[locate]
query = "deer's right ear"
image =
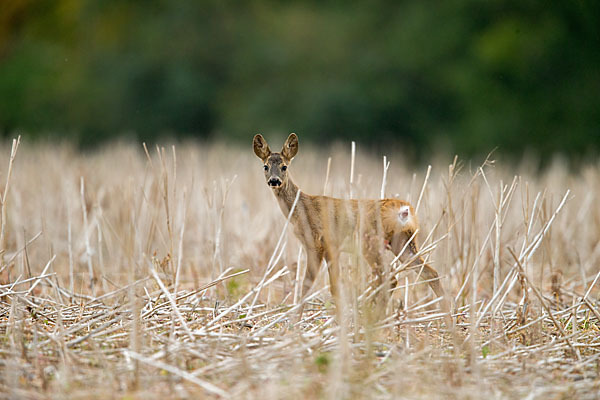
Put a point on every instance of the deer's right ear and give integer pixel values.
(261, 148)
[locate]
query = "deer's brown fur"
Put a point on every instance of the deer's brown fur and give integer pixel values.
(325, 225)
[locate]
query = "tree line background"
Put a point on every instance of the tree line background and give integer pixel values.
(462, 75)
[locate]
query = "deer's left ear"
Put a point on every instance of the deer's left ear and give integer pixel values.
(290, 147)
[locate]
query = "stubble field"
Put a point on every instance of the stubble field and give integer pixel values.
(171, 273)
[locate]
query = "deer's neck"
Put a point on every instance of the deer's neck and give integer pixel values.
(286, 194)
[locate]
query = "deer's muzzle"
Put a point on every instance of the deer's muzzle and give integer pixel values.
(274, 182)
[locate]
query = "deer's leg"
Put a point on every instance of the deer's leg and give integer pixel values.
(428, 273)
(372, 252)
(333, 270)
(313, 264)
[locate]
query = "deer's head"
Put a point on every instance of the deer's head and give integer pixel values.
(275, 164)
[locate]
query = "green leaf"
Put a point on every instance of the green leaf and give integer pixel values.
(485, 350)
(322, 361)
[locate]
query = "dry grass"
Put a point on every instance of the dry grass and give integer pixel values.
(129, 275)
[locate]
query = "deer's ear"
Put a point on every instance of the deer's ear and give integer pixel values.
(261, 148)
(290, 147)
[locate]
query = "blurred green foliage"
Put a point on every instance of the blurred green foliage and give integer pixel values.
(469, 74)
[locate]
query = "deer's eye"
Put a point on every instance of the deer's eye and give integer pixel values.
(284, 168)
(266, 167)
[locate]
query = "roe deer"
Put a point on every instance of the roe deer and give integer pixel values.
(324, 224)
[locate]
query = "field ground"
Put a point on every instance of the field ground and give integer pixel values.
(172, 274)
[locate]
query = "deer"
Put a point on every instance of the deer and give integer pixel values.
(324, 225)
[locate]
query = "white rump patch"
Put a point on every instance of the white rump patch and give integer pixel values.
(404, 215)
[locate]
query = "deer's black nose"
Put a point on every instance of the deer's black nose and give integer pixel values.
(274, 182)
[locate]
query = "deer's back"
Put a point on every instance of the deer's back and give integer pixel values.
(334, 221)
